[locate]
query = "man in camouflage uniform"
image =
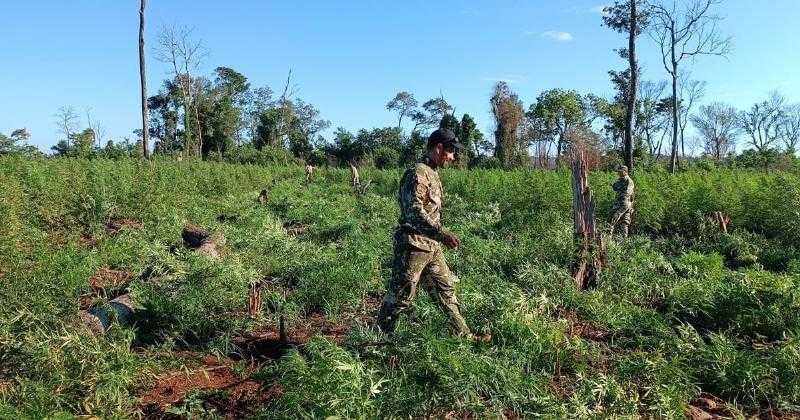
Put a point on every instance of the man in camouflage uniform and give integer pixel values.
(622, 211)
(309, 172)
(355, 180)
(418, 256)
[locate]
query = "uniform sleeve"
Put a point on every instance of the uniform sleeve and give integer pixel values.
(629, 189)
(420, 220)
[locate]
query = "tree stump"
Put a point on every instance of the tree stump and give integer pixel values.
(203, 241)
(263, 198)
(254, 303)
(590, 255)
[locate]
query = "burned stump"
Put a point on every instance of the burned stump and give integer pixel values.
(590, 254)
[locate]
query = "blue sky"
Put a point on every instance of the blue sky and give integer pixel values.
(350, 57)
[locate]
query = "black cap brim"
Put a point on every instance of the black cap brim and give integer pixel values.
(454, 144)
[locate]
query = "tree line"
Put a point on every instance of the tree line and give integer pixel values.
(221, 116)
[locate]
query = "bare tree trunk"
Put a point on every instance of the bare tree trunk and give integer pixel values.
(673, 160)
(683, 145)
(559, 145)
(199, 130)
(590, 248)
(143, 79)
(629, 111)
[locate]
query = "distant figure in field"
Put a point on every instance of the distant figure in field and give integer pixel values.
(622, 211)
(309, 172)
(418, 255)
(356, 182)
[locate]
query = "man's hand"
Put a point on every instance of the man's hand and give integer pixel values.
(451, 240)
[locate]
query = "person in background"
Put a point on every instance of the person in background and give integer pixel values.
(622, 212)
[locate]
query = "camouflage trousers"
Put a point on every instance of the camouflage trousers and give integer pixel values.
(621, 215)
(411, 267)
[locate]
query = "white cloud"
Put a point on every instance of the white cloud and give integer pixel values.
(558, 36)
(599, 9)
(508, 78)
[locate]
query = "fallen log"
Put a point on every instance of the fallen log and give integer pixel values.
(99, 318)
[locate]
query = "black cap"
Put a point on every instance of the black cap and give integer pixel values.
(444, 136)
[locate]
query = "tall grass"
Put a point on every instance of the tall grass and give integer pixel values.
(682, 308)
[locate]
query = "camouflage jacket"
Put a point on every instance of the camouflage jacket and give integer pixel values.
(624, 188)
(421, 207)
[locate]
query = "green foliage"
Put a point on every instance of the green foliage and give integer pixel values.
(327, 381)
(266, 156)
(385, 157)
(680, 309)
(16, 144)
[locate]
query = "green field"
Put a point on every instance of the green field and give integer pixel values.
(684, 317)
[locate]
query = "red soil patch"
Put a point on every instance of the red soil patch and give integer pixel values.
(116, 225)
(577, 327)
(106, 277)
(231, 395)
(173, 386)
(86, 301)
(707, 406)
(243, 398)
(771, 414)
(87, 240)
(266, 343)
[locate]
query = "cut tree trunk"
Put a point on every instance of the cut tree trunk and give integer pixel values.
(590, 255)
(99, 318)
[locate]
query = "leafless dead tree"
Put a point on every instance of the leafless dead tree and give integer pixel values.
(685, 29)
(184, 55)
(67, 121)
(718, 126)
(790, 128)
(690, 92)
(762, 122)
